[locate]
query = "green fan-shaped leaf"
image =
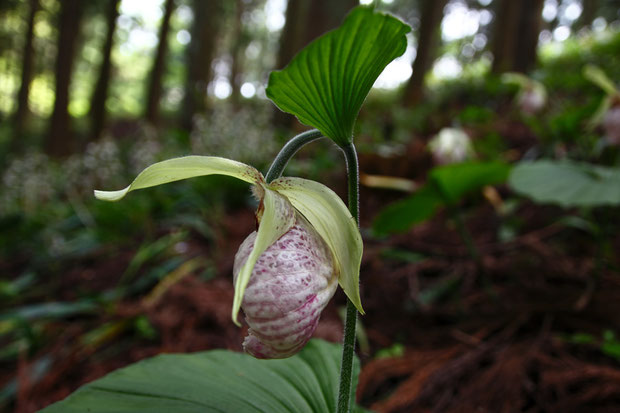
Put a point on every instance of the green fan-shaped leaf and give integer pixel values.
(567, 183)
(216, 381)
(326, 83)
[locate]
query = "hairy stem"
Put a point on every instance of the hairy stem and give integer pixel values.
(350, 155)
(287, 152)
(348, 349)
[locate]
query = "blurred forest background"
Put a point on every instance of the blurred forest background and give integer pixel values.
(92, 92)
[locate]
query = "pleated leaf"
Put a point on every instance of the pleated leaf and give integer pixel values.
(325, 85)
(216, 381)
(332, 220)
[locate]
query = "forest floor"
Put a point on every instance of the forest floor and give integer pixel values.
(525, 327)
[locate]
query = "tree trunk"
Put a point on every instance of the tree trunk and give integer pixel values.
(504, 39)
(428, 42)
(527, 37)
(324, 15)
(157, 70)
(305, 21)
(292, 32)
(238, 44)
(200, 54)
(515, 38)
(587, 14)
(100, 94)
(60, 140)
(27, 70)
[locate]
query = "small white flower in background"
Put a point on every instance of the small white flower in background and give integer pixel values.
(307, 242)
(532, 99)
(451, 145)
(532, 96)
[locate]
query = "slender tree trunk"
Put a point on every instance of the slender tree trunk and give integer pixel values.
(515, 38)
(305, 21)
(100, 94)
(292, 32)
(3, 40)
(587, 14)
(238, 43)
(428, 42)
(504, 35)
(27, 70)
(200, 54)
(324, 15)
(60, 140)
(157, 70)
(530, 24)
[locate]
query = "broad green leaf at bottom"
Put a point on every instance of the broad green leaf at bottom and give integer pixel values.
(217, 381)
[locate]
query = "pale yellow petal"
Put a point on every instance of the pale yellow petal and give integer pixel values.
(278, 216)
(332, 220)
(182, 168)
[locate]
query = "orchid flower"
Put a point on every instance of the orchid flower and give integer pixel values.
(532, 96)
(285, 272)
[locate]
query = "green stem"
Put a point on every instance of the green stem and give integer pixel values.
(287, 152)
(348, 349)
(350, 155)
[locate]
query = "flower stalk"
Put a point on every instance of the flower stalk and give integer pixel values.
(348, 348)
(288, 151)
(350, 156)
